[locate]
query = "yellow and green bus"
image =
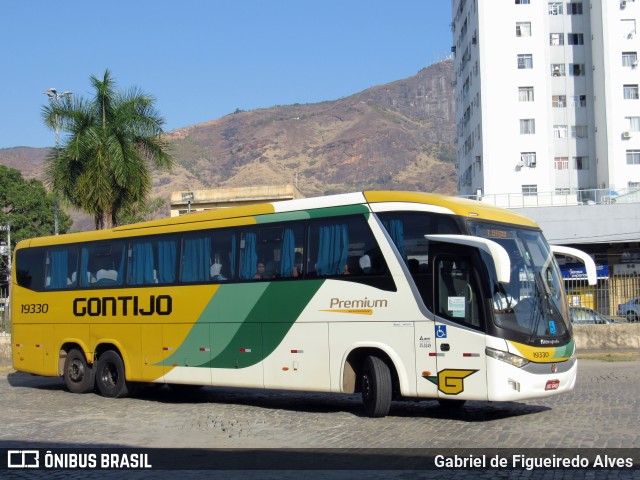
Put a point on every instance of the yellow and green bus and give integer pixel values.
(390, 294)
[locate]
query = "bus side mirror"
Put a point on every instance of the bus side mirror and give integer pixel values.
(497, 252)
(589, 264)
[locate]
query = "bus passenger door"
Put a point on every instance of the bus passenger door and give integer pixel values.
(459, 323)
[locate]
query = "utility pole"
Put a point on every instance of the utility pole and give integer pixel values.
(7, 302)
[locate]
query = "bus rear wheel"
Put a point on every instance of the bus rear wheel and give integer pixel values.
(110, 376)
(375, 384)
(79, 377)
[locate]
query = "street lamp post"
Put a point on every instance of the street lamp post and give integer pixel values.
(53, 95)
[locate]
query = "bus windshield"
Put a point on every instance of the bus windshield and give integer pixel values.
(533, 302)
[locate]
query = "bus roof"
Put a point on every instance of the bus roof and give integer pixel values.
(243, 215)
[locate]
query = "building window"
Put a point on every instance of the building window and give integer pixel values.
(633, 186)
(581, 163)
(525, 61)
(574, 8)
(578, 100)
(579, 131)
(631, 92)
(525, 94)
(529, 190)
(523, 2)
(557, 70)
(556, 39)
(576, 69)
(559, 101)
(560, 131)
(523, 29)
(575, 39)
(563, 191)
(527, 126)
(555, 8)
(633, 124)
(630, 59)
(528, 159)
(561, 163)
(633, 157)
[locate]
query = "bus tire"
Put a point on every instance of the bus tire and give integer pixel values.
(79, 377)
(375, 384)
(110, 376)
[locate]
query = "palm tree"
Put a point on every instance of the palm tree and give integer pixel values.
(104, 164)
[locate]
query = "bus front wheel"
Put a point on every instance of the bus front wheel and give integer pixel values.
(79, 377)
(375, 384)
(110, 376)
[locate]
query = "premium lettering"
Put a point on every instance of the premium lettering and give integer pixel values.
(364, 303)
(124, 306)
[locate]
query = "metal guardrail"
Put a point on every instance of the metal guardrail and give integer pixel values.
(555, 199)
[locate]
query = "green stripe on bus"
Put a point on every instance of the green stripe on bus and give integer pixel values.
(282, 217)
(246, 322)
(565, 351)
(314, 213)
(338, 211)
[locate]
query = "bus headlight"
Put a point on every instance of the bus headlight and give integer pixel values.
(506, 357)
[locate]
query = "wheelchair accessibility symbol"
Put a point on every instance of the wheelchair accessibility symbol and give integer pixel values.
(441, 331)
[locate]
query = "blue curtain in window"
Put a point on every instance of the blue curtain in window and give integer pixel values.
(248, 257)
(166, 261)
(333, 250)
(396, 232)
(288, 253)
(233, 256)
(196, 259)
(84, 268)
(120, 268)
(141, 264)
(59, 268)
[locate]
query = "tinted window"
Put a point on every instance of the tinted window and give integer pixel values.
(269, 252)
(152, 260)
(343, 246)
(208, 256)
(30, 268)
(61, 267)
(101, 264)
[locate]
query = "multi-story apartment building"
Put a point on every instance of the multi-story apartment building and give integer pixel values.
(547, 96)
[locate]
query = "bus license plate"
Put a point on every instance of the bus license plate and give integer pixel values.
(552, 385)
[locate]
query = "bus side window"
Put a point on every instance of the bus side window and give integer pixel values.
(196, 257)
(61, 263)
(272, 251)
(223, 266)
(152, 261)
(102, 264)
(344, 246)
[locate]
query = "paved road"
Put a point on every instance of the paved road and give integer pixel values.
(603, 412)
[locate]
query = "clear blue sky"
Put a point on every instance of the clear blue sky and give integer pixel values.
(203, 59)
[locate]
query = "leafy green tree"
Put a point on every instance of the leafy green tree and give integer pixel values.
(112, 141)
(27, 206)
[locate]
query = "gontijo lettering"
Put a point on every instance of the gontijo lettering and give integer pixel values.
(125, 305)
